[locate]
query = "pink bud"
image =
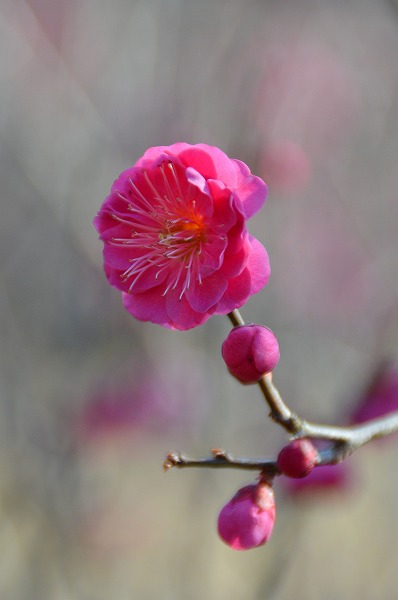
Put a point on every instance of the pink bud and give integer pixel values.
(298, 458)
(250, 351)
(247, 520)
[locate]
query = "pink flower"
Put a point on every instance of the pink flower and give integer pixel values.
(175, 241)
(250, 351)
(247, 520)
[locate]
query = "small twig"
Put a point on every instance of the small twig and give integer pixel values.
(280, 412)
(224, 460)
(220, 459)
(346, 440)
(354, 435)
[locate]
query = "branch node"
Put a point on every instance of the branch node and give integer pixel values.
(293, 424)
(173, 459)
(219, 454)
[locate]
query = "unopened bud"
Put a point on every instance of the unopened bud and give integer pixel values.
(298, 458)
(250, 351)
(247, 520)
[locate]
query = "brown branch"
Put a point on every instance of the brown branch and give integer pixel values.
(335, 453)
(220, 459)
(224, 460)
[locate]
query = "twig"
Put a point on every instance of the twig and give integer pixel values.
(224, 460)
(220, 459)
(345, 441)
(355, 435)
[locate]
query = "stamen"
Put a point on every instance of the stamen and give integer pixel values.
(174, 282)
(130, 206)
(170, 192)
(137, 277)
(172, 169)
(119, 219)
(167, 231)
(158, 197)
(140, 195)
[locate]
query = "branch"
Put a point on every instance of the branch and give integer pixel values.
(355, 435)
(344, 440)
(220, 459)
(336, 453)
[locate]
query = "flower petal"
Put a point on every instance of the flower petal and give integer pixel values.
(258, 265)
(181, 315)
(251, 190)
(236, 294)
(202, 297)
(147, 306)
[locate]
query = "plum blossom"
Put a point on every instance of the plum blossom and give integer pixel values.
(175, 241)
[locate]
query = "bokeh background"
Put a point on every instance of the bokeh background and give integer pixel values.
(306, 93)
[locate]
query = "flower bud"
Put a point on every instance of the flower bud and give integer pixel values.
(250, 351)
(298, 458)
(247, 520)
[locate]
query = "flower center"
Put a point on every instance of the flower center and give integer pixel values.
(183, 230)
(183, 239)
(167, 231)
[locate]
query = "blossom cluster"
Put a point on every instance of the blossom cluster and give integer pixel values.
(176, 245)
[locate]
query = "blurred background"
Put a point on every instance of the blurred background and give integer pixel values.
(306, 93)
